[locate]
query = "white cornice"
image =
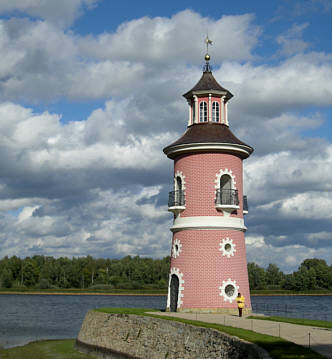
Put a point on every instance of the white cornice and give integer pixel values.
(208, 222)
(208, 146)
(207, 92)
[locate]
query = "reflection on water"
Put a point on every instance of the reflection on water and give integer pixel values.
(24, 318)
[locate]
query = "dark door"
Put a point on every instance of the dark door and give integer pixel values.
(174, 292)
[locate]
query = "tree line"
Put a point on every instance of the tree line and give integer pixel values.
(312, 274)
(46, 272)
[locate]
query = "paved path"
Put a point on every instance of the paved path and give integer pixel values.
(320, 339)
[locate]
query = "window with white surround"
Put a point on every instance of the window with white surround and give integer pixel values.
(226, 192)
(227, 247)
(176, 199)
(203, 112)
(215, 111)
(176, 248)
(228, 196)
(225, 182)
(178, 183)
(229, 290)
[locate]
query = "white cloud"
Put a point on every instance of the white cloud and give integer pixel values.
(34, 143)
(268, 91)
(163, 40)
(291, 42)
(26, 213)
(42, 61)
(60, 12)
(288, 172)
(99, 185)
(112, 223)
(308, 205)
(287, 257)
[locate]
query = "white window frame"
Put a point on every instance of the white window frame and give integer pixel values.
(203, 111)
(215, 111)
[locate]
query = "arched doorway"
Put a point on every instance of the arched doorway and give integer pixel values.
(174, 292)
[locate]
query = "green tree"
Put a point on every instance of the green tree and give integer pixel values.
(274, 276)
(321, 269)
(303, 279)
(6, 278)
(257, 276)
(30, 272)
(289, 282)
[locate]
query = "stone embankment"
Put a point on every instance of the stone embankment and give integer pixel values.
(120, 336)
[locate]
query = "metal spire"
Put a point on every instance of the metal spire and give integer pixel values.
(208, 42)
(207, 67)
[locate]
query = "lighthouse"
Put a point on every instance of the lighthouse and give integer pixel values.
(208, 257)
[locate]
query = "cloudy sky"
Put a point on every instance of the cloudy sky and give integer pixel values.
(90, 93)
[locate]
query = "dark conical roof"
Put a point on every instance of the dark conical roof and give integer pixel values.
(209, 133)
(209, 84)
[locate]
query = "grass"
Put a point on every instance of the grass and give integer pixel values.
(277, 348)
(137, 311)
(48, 349)
(310, 322)
(64, 349)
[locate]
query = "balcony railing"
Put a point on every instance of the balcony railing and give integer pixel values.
(227, 199)
(176, 200)
(245, 205)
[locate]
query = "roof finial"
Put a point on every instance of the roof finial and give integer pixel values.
(208, 42)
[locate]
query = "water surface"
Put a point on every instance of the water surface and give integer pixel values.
(24, 318)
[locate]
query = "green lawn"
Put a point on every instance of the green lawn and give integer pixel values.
(64, 349)
(277, 348)
(48, 349)
(313, 323)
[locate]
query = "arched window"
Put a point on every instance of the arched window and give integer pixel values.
(228, 196)
(178, 183)
(225, 182)
(215, 111)
(203, 112)
(179, 193)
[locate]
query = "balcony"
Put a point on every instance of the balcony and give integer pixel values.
(245, 205)
(176, 201)
(227, 200)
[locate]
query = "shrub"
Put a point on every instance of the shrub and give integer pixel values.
(44, 284)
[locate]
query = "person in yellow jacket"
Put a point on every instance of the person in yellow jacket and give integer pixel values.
(240, 303)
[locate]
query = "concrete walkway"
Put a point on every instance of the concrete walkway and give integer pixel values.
(319, 339)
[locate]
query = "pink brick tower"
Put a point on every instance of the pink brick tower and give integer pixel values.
(208, 257)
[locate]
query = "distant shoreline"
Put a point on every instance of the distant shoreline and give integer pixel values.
(86, 293)
(152, 294)
(289, 294)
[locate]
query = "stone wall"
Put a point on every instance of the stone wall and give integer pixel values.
(133, 336)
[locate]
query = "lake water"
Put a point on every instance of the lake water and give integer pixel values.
(25, 318)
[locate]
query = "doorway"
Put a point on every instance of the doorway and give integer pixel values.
(174, 293)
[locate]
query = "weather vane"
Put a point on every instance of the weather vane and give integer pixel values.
(208, 42)
(207, 66)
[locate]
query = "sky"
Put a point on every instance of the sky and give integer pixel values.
(91, 92)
